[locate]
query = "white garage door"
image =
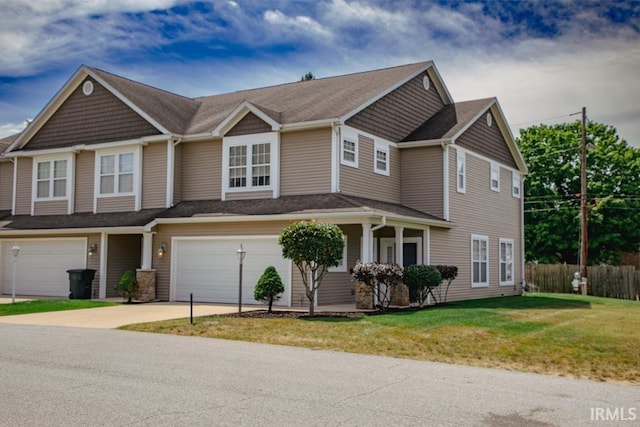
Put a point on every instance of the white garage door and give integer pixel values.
(208, 268)
(41, 266)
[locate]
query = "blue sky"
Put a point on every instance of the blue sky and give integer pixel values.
(543, 60)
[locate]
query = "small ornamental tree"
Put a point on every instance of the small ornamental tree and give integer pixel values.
(422, 279)
(313, 247)
(448, 273)
(128, 285)
(380, 278)
(269, 287)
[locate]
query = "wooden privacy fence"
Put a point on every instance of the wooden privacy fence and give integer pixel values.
(604, 280)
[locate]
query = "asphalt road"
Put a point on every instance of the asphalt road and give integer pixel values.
(75, 376)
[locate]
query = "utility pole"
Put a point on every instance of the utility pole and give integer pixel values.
(584, 236)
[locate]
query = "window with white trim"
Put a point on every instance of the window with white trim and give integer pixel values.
(381, 160)
(461, 172)
(349, 152)
(116, 173)
(506, 261)
(479, 261)
(515, 187)
(342, 266)
(495, 176)
(51, 179)
(248, 162)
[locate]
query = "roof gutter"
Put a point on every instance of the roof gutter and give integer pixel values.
(425, 143)
(51, 231)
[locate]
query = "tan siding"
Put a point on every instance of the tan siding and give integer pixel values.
(166, 232)
(93, 262)
(51, 207)
(23, 187)
(249, 125)
(6, 185)
(154, 176)
(244, 195)
(201, 170)
(124, 253)
(483, 212)
(100, 117)
(364, 182)
(305, 162)
(487, 141)
(400, 112)
(85, 166)
(422, 179)
(177, 174)
(337, 287)
(116, 204)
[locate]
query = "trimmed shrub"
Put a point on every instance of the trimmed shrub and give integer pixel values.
(128, 285)
(380, 278)
(269, 287)
(421, 279)
(448, 273)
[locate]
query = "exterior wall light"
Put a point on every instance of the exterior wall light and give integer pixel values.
(93, 249)
(162, 250)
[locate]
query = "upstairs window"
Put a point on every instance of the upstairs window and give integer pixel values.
(349, 154)
(51, 179)
(461, 172)
(238, 166)
(495, 177)
(381, 160)
(516, 184)
(247, 162)
(116, 174)
(261, 165)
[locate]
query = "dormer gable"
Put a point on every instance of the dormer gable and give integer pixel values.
(247, 118)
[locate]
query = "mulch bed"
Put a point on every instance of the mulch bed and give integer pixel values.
(285, 314)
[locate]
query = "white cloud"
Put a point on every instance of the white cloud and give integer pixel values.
(11, 128)
(294, 26)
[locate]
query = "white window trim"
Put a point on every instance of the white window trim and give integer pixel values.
(51, 159)
(460, 158)
(351, 136)
(342, 267)
(495, 167)
(486, 240)
(249, 141)
(137, 172)
(513, 252)
(516, 184)
(384, 149)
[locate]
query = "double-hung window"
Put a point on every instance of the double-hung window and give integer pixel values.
(51, 179)
(461, 179)
(479, 261)
(495, 176)
(381, 160)
(515, 178)
(349, 152)
(506, 262)
(116, 173)
(248, 162)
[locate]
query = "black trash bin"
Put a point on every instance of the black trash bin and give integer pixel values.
(80, 281)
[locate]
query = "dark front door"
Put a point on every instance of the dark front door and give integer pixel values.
(410, 257)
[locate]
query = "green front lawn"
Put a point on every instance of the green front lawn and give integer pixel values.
(40, 306)
(584, 337)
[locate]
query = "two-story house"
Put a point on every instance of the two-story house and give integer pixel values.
(115, 175)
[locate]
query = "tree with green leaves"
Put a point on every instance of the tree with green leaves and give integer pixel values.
(308, 76)
(313, 247)
(269, 287)
(422, 279)
(552, 193)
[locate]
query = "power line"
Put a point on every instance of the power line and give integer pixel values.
(541, 120)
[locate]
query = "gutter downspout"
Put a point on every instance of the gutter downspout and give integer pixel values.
(522, 253)
(171, 149)
(336, 134)
(445, 180)
(15, 180)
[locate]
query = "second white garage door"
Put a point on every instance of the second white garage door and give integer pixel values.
(208, 268)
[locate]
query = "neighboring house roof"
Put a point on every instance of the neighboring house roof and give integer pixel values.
(7, 141)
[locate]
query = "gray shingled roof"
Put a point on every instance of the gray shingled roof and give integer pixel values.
(317, 99)
(449, 121)
(80, 220)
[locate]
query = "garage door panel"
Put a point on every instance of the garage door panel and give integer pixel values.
(208, 268)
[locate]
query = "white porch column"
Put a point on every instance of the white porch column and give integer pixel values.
(147, 250)
(399, 241)
(426, 246)
(366, 251)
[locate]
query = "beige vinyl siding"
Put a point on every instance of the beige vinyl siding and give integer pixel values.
(154, 176)
(400, 112)
(116, 204)
(488, 141)
(337, 287)
(84, 175)
(23, 185)
(244, 195)
(124, 253)
(166, 231)
(201, 170)
(249, 125)
(364, 182)
(6, 185)
(305, 162)
(99, 117)
(93, 262)
(482, 212)
(421, 179)
(51, 207)
(177, 174)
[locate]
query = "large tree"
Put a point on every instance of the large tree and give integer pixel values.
(552, 193)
